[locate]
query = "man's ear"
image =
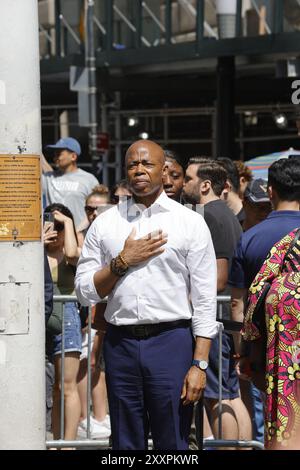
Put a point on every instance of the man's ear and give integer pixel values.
(74, 157)
(205, 186)
(270, 192)
(226, 190)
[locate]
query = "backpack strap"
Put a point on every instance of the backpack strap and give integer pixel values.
(291, 247)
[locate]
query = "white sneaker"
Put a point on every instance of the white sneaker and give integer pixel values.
(105, 422)
(98, 430)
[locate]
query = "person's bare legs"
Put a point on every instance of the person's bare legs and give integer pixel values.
(246, 395)
(243, 419)
(99, 395)
(82, 388)
(229, 420)
(207, 431)
(98, 384)
(71, 396)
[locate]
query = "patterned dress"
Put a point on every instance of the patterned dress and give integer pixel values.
(282, 314)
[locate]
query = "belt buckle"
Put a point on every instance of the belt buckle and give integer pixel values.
(140, 331)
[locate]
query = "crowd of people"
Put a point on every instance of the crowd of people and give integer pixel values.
(160, 245)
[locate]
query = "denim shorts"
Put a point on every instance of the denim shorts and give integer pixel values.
(230, 381)
(73, 335)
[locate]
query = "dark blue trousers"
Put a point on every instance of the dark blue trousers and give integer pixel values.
(144, 380)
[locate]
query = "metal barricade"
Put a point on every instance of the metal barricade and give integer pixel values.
(88, 442)
(229, 326)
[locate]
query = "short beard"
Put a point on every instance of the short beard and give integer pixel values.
(191, 198)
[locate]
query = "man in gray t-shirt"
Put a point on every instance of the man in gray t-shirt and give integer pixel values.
(68, 185)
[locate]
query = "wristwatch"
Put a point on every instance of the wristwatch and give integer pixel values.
(202, 364)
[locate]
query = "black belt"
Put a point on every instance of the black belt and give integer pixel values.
(152, 329)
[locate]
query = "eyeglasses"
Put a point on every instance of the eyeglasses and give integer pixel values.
(90, 209)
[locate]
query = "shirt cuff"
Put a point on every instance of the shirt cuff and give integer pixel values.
(207, 329)
(86, 290)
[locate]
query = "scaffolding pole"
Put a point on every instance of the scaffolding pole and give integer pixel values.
(90, 63)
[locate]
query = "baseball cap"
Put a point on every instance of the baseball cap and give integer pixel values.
(257, 191)
(67, 143)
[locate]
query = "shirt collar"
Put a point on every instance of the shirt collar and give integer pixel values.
(162, 201)
(282, 213)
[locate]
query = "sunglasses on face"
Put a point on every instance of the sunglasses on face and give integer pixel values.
(90, 209)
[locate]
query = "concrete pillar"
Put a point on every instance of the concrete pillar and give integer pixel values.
(22, 323)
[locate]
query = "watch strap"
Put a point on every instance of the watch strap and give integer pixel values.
(201, 364)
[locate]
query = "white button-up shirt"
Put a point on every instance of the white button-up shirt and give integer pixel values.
(178, 284)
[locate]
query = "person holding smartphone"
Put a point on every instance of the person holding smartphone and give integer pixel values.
(62, 250)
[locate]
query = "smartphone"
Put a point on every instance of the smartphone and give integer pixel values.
(48, 220)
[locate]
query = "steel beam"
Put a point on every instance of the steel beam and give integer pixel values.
(271, 44)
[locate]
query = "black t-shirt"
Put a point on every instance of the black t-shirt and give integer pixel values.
(225, 232)
(241, 216)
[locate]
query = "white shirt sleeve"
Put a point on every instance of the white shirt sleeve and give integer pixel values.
(201, 262)
(91, 260)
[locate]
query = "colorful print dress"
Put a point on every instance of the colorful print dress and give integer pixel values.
(282, 314)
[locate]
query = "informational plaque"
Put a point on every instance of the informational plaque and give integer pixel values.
(20, 198)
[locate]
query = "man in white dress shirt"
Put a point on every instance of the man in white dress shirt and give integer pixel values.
(155, 260)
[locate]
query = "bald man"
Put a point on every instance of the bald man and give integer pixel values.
(148, 255)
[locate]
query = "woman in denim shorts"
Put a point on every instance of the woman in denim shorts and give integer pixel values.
(63, 253)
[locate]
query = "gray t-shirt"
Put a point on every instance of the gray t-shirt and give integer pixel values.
(70, 189)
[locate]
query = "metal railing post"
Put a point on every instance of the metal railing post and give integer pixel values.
(220, 406)
(238, 18)
(138, 23)
(90, 64)
(168, 20)
(278, 16)
(62, 378)
(199, 23)
(118, 136)
(109, 13)
(89, 374)
(57, 28)
(65, 33)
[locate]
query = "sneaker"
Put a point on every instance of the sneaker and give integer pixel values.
(98, 430)
(105, 422)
